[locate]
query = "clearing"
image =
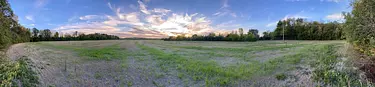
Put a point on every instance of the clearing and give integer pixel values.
(145, 63)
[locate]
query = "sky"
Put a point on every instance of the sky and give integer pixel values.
(163, 18)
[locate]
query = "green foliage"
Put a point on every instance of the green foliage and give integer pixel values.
(300, 29)
(46, 35)
(251, 36)
(359, 26)
(326, 72)
(10, 31)
(12, 74)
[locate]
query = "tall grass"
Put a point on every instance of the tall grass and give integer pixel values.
(326, 69)
(17, 73)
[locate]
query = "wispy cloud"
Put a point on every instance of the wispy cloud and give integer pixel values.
(40, 3)
(29, 17)
(90, 17)
(155, 23)
(224, 10)
(272, 24)
(335, 17)
(143, 7)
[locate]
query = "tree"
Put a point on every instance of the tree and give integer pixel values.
(11, 30)
(35, 32)
(45, 34)
(360, 26)
(56, 36)
(254, 32)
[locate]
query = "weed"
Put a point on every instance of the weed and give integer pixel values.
(180, 75)
(130, 83)
(97, 75)
(281, 76)
(325, 71)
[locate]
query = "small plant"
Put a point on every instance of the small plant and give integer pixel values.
(130, 83)
(180, 75)
(98, 75)
(281, 76)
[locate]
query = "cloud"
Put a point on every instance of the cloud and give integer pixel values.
(335, 17)
(155, 23)
(32, 25)
(225, 4)
(295, 16)
(90, 17)
(29, 17)
(72, 19)
(143, 8)
(272, 24)
(224, 10)
(161, 10)
(40, 3)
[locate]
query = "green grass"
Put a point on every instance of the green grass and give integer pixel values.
(201, 69)
(209, 70)
(12, 74)
(104, 53)
(248, 49)
(204, 63)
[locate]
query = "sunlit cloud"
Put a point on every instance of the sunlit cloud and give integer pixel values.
(90, 17)
(155, 23)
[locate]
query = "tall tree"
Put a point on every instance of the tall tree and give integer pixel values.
(35, 32)
(56, 35)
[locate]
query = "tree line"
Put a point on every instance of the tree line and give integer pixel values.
(11, 31)
(300, 29)
(289, 29)
(252, 35)
(47, 35)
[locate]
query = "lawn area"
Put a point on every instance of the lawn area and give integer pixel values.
(190, 63)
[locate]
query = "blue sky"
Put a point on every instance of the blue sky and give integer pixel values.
(162, 18)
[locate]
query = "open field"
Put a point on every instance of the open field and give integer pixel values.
(145, 63)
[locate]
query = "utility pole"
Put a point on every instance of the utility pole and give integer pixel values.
(284, 32)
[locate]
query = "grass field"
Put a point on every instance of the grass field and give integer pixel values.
(188, 63)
